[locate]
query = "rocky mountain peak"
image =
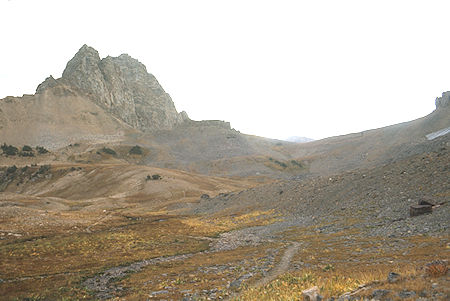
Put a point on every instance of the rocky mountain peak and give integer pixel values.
(85, 61)
(443, 101)
(122, 86)
(49, 82)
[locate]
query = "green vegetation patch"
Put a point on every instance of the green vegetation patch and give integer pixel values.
(9, 150)
(136, 150)
(109, 151)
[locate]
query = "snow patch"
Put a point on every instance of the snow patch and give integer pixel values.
(439, 133)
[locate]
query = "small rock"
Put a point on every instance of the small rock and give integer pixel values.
(415, 210)
(379, 293)
(422, 202)
(236, 283)
(312, 294)
(246, 276)
(406, 294)
(393, 277)
(161, 292)
(434, 285)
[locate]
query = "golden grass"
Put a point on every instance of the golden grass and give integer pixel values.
(197, 273)
(78, 254)
(53, 266)
(218, 224)
(341, 262)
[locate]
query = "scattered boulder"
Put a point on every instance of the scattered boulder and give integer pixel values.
(406, 294)
(416, 210)
(425, 203)
(393, 277)
(379, 293)
(237, 283)
(312, 294)
(161, 292)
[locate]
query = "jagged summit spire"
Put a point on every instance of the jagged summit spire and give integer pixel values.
(122, 86)
(443, 101)
(85, 61)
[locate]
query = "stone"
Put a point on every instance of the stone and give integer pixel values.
(311, 294)
(379, 293)
(161, 292)
(393, 277)
(425, 203)
(416, 210)
(406, 294)
(246, 276)
(236, 283)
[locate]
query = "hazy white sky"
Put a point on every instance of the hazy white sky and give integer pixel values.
(272, 68)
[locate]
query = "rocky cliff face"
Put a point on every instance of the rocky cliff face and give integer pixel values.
(443, 101)
(122, 86)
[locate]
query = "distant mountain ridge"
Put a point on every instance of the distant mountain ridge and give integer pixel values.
(115, 102)
(298, 139)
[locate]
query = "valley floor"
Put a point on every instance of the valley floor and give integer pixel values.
(349, 234)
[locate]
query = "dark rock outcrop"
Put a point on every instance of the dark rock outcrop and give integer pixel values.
(48, 83)
(443, 101)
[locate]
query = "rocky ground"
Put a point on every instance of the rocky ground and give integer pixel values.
(245, 242)
(368, 211)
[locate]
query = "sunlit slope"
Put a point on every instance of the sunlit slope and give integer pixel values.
(56, 118)
(371, 148)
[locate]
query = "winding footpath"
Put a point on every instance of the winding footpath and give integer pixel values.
(103, 285)
(282, 267)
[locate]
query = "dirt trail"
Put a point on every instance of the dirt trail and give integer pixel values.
(282, 267)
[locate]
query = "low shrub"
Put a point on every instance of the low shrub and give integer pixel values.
(436, 268)
(41, 150)
(26, 154)
(11, 169)
(297, 163)
(282, 164)
(109, 151)
(156, 177)
(43, 169)
(153, 177)
(27, 148)
(9, 150)
(136, 150)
